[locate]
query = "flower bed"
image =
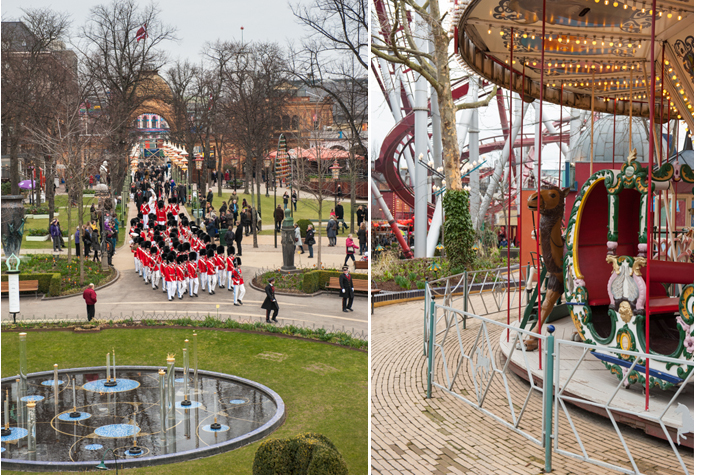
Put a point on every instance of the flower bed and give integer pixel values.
(392, 274)
(69, 272)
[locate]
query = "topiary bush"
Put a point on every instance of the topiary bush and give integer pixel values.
(303, 224)
(307, 454)
(458, 229)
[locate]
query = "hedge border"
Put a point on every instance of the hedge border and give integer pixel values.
(49, 283)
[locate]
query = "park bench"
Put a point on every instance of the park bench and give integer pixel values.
(360, 265)
(25, 286)
(360, 285)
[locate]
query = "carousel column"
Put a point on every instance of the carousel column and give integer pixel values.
(421, 143)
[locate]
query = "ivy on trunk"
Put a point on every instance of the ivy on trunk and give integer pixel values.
(458, 230)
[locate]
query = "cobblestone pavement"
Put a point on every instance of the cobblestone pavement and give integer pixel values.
(411, 434)
(129, 296)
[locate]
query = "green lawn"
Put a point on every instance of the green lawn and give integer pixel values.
(61, 203)
(334, 404)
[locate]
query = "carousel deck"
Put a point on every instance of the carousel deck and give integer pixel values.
(593, 382)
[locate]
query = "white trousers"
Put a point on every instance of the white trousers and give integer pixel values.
(137, 263)
(239, 291)
(229, 279)
(203, 280)
(212, 282)
(193, 285)
(182, 287)
(172, 287)
(155, 278)
(146, 274)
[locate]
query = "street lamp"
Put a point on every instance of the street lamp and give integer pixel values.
(267, 166)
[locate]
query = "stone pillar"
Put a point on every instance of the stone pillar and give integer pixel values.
(288, 246)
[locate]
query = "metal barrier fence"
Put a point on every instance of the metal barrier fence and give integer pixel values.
(175, 318)
(613, 406)
(474, 288)
(466, 365)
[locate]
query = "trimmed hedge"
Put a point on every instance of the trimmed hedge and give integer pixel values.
(318, 279)
(308, 454)
(303, 224)
(49, 284)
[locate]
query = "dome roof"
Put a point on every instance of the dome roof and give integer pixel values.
(604, 140)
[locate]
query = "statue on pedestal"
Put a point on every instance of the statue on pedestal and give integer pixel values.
(288, 243)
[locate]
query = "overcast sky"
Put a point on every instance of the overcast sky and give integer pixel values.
(197, 22)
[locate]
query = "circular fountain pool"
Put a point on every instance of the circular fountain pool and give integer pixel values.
(123, 422)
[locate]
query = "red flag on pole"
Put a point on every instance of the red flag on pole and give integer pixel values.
(142, 33)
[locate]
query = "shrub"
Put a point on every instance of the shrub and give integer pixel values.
(6, 188)
(89, 192)
(309, 454)
(421, 285)
(402, 282)
(37, 232)
(303, 224)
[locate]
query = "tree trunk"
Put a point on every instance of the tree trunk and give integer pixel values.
(353, 194)
(449, 139)
(254, 184)
(219, 169)
(320, 230)
(14, 161)
(49, 187)
(258, 197)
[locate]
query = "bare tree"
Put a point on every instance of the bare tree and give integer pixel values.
(320, 167)
(335, 61)
(77, 138)
(121, 68)
(254, 96)
(31, 63)
(182, 78)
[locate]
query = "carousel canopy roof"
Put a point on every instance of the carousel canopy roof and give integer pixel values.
(604, 140)
(602, 42)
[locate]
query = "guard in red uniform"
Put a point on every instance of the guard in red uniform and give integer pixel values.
(238, 282)
(193, 283)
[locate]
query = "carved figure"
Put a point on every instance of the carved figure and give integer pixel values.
(552, 244)
(103, 170)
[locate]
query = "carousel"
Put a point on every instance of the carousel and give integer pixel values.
(613, 251)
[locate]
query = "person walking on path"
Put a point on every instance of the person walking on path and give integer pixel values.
(362, 238)
(339, 215)
(95, 245)
(310, 240)
(278, 217)
(87, 240)
(349, 249)
(332, 232)
(90, 299)
(361, 215)
(238, 238)
(297, 238)
(347, 291)
(77, 241)
(285, 199)
(238, 283)
(270, 302)
(56, 236)
(294, 200)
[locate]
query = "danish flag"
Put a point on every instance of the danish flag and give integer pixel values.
(142, 33)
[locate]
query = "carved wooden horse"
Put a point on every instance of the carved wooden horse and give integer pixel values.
(552, 210)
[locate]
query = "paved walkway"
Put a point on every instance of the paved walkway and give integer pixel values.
(444, 435)
(129, 295)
